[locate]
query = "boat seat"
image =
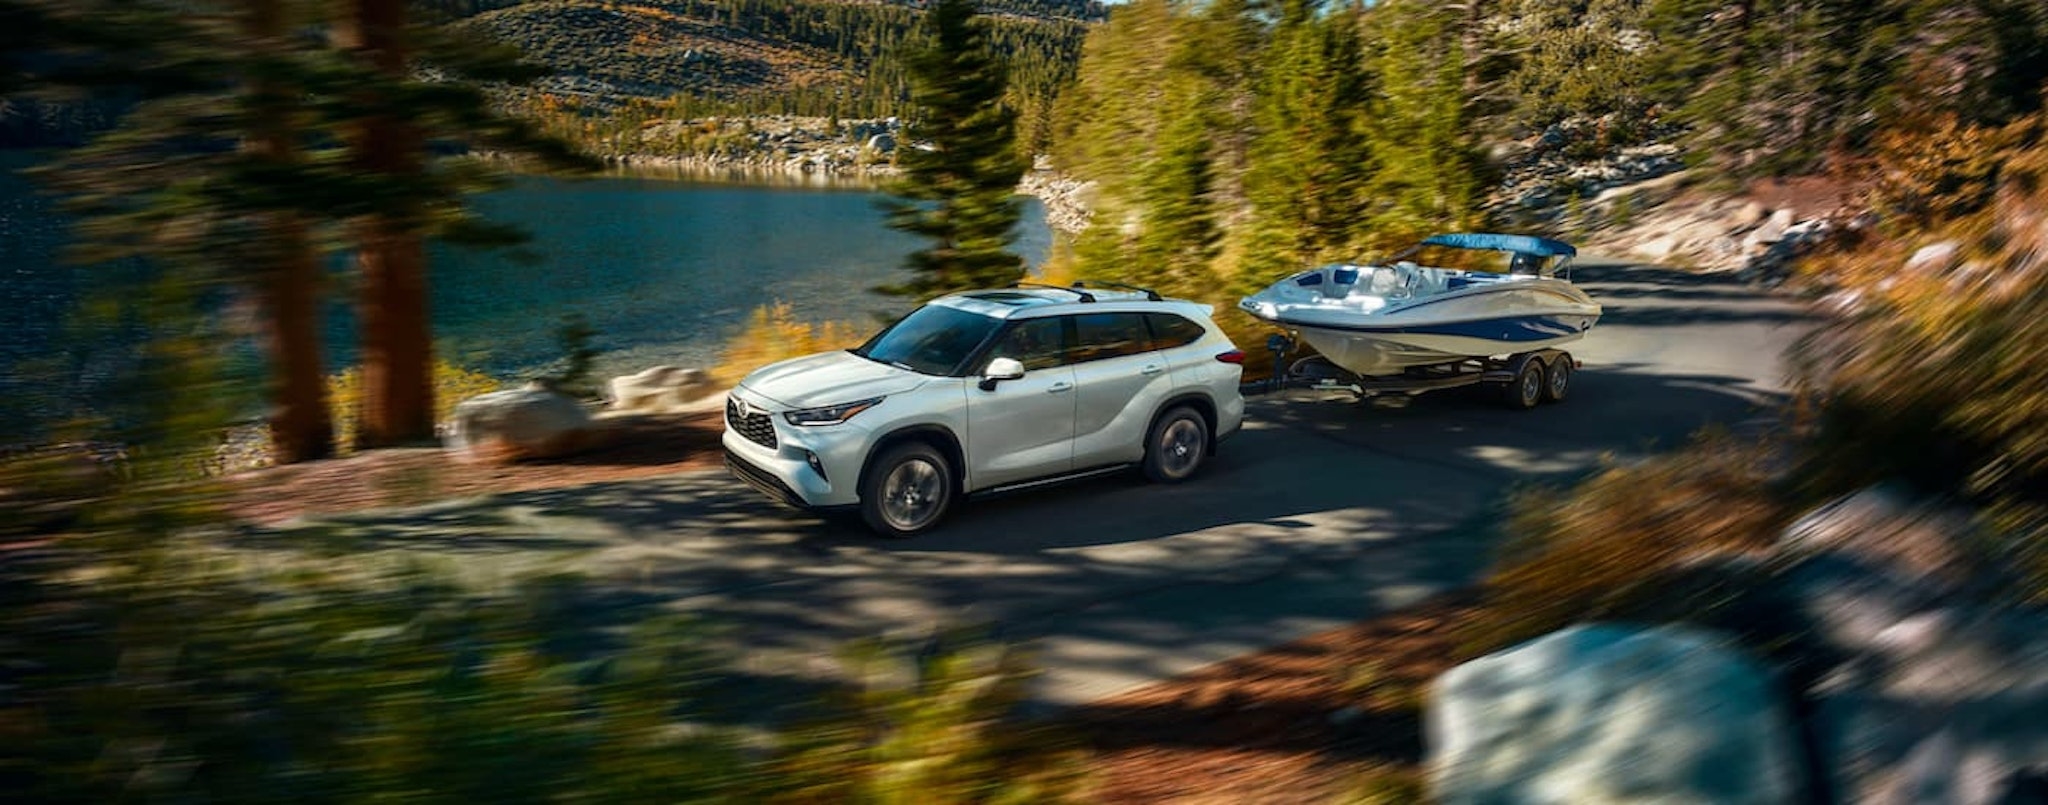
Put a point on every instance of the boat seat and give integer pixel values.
(1387, 281)
(1340, 283)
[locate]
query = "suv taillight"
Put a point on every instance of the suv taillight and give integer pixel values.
(1233, 356)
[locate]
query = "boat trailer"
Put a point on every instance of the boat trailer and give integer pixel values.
(1526, 379)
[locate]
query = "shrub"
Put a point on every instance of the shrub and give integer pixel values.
(1385, 785)
(178, 671)
(1937, 379)
(573, 378)
(182, 675)
(1943, 169)
(773, 334)
(934, 729)
(1616, 546)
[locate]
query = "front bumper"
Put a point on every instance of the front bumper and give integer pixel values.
(763, 481)
(812, 468)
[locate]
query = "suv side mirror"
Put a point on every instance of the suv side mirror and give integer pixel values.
(999, 370)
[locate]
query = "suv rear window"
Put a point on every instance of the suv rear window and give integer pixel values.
(1169, 331)
(1110, 335)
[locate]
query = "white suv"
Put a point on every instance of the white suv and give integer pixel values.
(988, 391)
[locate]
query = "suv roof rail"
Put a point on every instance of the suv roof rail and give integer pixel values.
(1076, 289)
(1150, 295)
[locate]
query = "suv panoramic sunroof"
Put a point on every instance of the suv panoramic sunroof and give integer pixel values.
(1009, 298)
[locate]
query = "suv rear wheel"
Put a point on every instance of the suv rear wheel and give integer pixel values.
(907, 490)
(1176, 446)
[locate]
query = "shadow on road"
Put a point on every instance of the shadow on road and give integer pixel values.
(1321, 511)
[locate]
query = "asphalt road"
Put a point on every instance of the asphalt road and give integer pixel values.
(1321, 512)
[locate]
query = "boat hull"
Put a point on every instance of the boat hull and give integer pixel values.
(1374, 351)
(1499, 319)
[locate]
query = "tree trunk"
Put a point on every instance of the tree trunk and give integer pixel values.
(301, 427)
(398, 393)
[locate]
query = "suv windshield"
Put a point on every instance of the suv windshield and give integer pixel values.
(933, 339)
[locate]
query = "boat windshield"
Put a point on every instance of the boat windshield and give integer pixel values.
(932, 340)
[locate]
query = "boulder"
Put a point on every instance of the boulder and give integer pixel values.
(1748, 215)
(1655, 249)
(530, 422)
(882, 144)
(1607, 713)
(1885, 532)
(1934, 691)
(1935, 258)
(1768, 233)
(660, 389)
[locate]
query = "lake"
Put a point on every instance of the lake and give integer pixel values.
(664, 268)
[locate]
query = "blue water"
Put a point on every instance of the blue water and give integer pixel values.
(665, 270)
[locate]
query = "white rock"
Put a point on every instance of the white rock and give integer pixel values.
(1749, 214)
(531, 422)
(660, 389)
(1769, 232)
(1610, 714)
(1934, 258)
(1655, 248)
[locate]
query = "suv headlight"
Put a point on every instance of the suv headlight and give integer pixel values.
(830, 414)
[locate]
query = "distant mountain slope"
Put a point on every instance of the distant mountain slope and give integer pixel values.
(764, 56)
(627, 50)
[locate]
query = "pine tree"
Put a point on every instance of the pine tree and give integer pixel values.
(1311, 162)
(958, 187)
(397, 342)
(1430, 169)
(289, 274)
(161, 186)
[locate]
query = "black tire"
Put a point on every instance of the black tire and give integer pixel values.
(1526, 390)
(1557, 379)
(907, 490)
(1176, 445)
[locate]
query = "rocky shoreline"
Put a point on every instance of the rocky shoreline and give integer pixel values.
(819, 151)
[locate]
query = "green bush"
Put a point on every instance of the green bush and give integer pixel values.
(187, 674)
(194, 673)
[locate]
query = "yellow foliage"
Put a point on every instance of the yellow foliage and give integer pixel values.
(773, 334)
(1612, 547)
(1942, 169)
(452, 385)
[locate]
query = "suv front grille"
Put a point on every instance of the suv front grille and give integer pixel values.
(757, 426)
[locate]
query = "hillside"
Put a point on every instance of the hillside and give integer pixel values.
(809, 57)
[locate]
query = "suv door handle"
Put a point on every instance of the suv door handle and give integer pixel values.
(1151, 369)
(1059, 387)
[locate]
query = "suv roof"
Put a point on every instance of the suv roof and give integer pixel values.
(1030, 301)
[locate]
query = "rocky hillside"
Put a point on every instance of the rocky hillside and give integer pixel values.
(818, 57)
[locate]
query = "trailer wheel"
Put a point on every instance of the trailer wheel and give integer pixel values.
(1557, 378)
(1526, 390)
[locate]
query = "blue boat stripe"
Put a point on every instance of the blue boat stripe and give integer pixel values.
(1519, 328)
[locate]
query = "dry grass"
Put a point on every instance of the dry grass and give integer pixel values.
(452, 385)
(1636, 542)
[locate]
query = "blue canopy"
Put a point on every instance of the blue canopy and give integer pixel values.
(1521, 244)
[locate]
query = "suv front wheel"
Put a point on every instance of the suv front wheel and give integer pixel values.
(1176, 446)
(907, 490)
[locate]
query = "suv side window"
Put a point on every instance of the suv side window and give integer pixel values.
(1169, 330)
(1099, 336)
(1036, 343)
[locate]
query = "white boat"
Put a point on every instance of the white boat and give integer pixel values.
(1503, 298)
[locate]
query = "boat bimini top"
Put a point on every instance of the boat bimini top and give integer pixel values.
(1528, 254)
